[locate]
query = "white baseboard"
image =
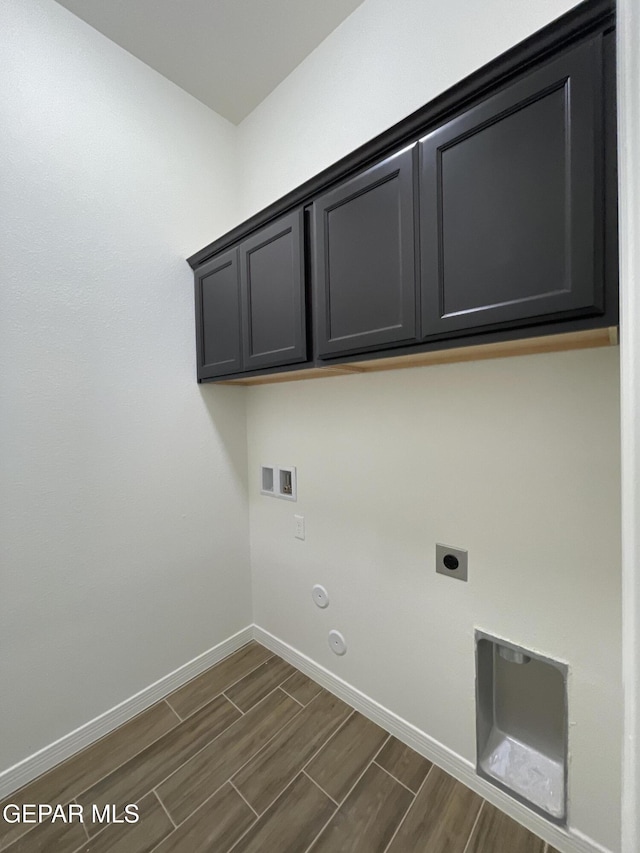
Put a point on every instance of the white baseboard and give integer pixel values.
(38, 763)
(566, 841)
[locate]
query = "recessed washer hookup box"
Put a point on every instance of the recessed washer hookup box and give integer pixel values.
(521, 724)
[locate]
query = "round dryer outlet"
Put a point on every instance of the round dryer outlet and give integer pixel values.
(320, 596)
(337, 643)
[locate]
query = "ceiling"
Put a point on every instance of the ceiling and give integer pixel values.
(227, 53)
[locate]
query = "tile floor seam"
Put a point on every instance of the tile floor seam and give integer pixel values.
(284, 790)
(404, 817)
(344, 799)
(370, 762)
(292, 697)
(190, 815)
(242, 766)
(155, 846)
(86, 831)
(227, 687)
(148, 790)
(135, 754)
(79, 849)
(331, 736)
(395, 778)
(162, 781)
(305, 765)
(75, 797)
(322, 829)
(244, 798)
(164, 809)
(249, 828)
(89, 839)
(266, 744)
(279, 684)
(318, 785)
(171, 708)
(384, 743)
(236, 707)
(103, 829)
(113, 770)
(181, 824)
(473, 828)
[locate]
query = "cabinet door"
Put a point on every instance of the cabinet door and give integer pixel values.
(363, 233)
(510, 195)
(218, 317)
(273, 296)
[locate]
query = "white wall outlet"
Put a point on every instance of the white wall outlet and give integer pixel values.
(337, 643)
(287, 484)
(299, 520)
(320, 596)
(452, 562)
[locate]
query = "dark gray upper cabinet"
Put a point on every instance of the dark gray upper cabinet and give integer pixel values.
(510, 201)
(495, 220)
(217, 300)
(273, 294)
(364, 266)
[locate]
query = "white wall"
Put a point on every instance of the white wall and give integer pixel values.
(516, 460)
(124, 520)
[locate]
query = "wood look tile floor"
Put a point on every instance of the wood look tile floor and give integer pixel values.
(254, 757)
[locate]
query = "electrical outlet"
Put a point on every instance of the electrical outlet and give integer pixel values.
(451, 562)
(299, 520)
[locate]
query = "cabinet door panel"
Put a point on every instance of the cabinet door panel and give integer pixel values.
(218, 317)
(273, 297)
(364, 253)
(510, 196)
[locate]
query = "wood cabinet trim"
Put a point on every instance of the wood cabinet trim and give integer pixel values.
(586, 339)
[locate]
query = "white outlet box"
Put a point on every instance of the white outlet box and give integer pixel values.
(299, 520)
(279, 482)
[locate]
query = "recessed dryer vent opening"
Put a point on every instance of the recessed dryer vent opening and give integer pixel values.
(521, 724)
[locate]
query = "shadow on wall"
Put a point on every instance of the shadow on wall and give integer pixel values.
(227, 411)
